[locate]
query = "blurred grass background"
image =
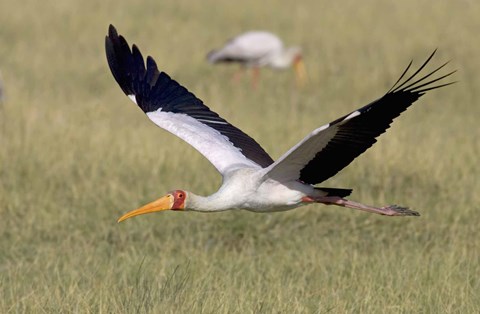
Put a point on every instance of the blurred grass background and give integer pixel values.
(75, 154)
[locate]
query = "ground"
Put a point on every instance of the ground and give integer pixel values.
(76, 154)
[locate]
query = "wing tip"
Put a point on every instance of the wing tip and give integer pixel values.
(112, 31)
(127, 64)
(118, 51)
(421, 85)
(150, 87)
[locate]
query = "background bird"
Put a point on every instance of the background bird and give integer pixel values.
(257, 49)
(251, 179)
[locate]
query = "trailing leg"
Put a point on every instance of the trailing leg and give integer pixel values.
(391, 210)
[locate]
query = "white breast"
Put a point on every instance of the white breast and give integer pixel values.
(246, 189)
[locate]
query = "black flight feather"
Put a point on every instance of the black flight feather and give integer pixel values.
(154, 90)
(356, 134)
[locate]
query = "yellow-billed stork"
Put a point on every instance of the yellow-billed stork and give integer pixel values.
(252, 180)
(255, 49)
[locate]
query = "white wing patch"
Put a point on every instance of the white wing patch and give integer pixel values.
(209, 142)
(352, 115)
(212, 121)
(289, 165)
(132, 98)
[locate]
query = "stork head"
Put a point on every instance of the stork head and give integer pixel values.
(174, 200)
(288, 57)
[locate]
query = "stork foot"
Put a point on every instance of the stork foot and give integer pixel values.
(395, 210)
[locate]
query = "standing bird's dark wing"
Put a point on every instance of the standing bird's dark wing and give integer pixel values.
(175, 109)
(330, 148)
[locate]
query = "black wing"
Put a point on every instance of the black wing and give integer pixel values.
(155, 91)
(332, 147)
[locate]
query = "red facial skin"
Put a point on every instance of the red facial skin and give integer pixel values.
(179, 199)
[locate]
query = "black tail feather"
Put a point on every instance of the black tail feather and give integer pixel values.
(335, 191)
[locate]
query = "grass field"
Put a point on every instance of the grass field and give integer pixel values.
(75, 154)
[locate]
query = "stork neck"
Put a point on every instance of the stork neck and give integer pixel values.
(211, 203)
(285, 58)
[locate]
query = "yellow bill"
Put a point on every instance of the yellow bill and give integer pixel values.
(301, 72)
(163, 203)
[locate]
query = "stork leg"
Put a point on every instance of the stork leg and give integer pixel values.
(238, 75)
(255, 77)
(391, 210)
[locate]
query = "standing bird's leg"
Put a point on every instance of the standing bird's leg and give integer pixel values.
(391, 210)
(238, 75)
(255, 77)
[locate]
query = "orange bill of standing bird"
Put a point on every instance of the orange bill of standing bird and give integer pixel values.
(252, 180)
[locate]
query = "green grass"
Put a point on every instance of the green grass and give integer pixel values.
(75, 154)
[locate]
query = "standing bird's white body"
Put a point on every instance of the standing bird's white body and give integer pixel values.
(251, 179)
(257, 49)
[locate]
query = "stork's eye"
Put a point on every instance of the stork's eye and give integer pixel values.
(180, 195)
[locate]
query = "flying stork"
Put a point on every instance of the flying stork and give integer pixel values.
(252, 180)
(255, 49)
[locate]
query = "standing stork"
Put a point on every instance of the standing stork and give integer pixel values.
(256, 49)
(251, 179)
